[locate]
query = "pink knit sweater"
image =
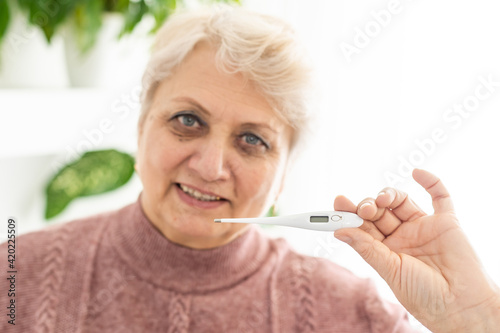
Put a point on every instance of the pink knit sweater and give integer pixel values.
(116, 273)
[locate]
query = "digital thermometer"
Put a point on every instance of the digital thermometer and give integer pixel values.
(321, 221)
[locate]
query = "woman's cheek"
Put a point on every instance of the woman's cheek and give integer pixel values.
(167, 153)
(260, 179)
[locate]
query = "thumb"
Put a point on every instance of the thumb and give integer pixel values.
(386, 262)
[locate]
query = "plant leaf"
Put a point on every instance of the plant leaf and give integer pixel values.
(4, 18)
(88, 22)
(161, 10)
(48, 14)
(133, 16)
(94, 173)
(119, 6)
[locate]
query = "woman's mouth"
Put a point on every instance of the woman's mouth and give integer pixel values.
(197, 194)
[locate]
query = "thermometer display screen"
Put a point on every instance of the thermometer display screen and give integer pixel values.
(320, 219)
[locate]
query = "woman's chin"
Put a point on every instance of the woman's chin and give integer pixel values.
(202, 232)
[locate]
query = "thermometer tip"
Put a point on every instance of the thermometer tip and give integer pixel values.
(217, 220)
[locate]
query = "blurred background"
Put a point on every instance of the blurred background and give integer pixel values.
(400, 84)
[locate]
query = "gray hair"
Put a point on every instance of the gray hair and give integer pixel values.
(263, 48)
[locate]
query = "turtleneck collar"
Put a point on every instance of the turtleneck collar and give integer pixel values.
(166, 264)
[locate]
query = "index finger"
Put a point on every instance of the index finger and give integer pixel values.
(400, 204)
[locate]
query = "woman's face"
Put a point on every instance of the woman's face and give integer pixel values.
(210, 147)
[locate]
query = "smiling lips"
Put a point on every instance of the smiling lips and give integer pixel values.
(198, 195)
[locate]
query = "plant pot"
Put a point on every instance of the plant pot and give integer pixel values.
(89, 69)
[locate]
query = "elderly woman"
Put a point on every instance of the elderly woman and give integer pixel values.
(223, 109)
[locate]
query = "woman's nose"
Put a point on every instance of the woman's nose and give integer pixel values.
(210, 162)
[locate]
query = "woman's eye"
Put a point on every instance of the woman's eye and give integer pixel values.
(252, 139)
(188, 120)
(186, 124)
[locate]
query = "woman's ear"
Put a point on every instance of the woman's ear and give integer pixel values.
(286, 170)
(282, 184)
(139, 140)
(139, 133)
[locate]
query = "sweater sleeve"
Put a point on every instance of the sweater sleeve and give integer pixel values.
(50, 273)
(28, 290)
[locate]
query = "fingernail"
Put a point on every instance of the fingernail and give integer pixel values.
(380, 193)
(365, 204)
(344, 238)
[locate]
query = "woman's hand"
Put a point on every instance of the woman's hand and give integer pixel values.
(426, 259)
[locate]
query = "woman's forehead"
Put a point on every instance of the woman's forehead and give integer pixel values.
(198, 83)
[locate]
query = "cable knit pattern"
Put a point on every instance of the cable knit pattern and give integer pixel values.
(302, 285)
(178, 314)
(87, 279)
(116, 272)
(52, 278)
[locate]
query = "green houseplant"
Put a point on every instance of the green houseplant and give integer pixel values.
(87, 15)
(4, 18)
(95, 172)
